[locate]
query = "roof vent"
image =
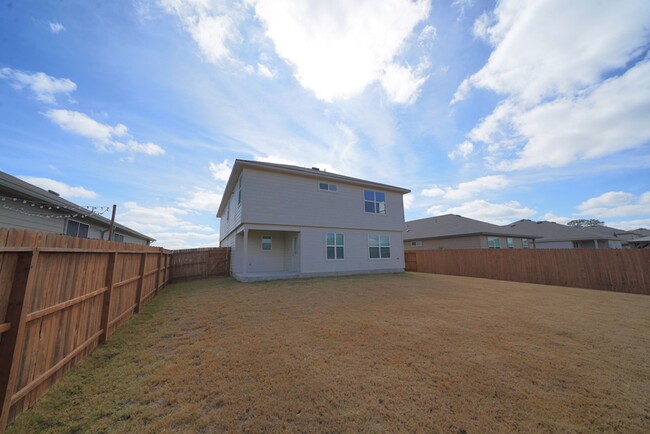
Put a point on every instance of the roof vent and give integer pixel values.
(315, 168)
(53, 192)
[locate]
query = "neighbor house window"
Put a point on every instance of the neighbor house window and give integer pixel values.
(335, 245)
(416, 243)
(77, 229)
(227, 212)
(494, 243)
(378, 246)
(118, 237)
(239, 191)
(524, 243)
(327, 187)
(374, 201)
(511, 243)
(266, 242)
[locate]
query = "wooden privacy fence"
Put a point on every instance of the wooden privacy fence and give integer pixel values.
(620, 270)
(59, 298)
(200, 263)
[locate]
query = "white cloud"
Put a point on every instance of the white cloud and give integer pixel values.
(168, 225)
(63, 189)
(462, 6)
(631, 224)
(427, 36)
(495, 213)
(264, 71)
(409, 198)
(44, 87)
(403, 83)
(616, 204)
(220, 171)
(465, 190)
(202, 200)
(56, 27)
(550, 217)
(211, 27)
(558, 106)
(105, 137)
(339, 48)
(462, 150)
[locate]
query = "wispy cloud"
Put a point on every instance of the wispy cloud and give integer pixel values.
(106, 138)
(56, 27)
(495, 213)
(462, 150)
(220, 171)
(44, 87)
(465, 190)
(616, 204)
(62, 188)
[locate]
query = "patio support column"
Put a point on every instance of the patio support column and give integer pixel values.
(245, 255)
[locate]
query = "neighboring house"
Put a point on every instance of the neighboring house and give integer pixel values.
(452, 231)
(640, 243)
(557, 236)
(618, 234)
(25, 206)
(286, 221)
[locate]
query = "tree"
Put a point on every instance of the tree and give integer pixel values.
(585, 223)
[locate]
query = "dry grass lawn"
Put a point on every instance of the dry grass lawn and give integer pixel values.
(391, 353)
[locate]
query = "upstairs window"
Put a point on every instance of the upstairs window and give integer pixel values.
(267, 241)
(378, 246)
(77, 229)
(335, 245)
(511, 243)
(324, 186)
(374, 201)
(494, 243)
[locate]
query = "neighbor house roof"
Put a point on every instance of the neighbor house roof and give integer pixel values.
(299, 171)
(643, 242)
(12, 187)
(551, 232)
(451, 225)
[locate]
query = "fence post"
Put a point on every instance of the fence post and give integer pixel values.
(106, 305)
(138, 291)
(158, 270)
(11, 346)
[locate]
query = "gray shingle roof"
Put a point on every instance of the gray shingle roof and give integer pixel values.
(550, 231)
(452, 225)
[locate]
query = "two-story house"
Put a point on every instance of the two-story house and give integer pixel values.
(286, 221)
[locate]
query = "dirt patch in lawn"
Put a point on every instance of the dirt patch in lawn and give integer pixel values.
(390, 353)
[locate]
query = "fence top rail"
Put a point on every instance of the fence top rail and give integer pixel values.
(76, 250)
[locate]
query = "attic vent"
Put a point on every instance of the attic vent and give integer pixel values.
(53, 192)
(315, 168)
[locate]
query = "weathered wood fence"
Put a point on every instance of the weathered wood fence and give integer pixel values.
(59, 298)
(200, 263)
(621, 270)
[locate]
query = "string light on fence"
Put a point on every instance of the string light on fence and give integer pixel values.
(73, 212)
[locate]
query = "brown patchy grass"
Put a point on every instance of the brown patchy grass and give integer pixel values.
(390, 353)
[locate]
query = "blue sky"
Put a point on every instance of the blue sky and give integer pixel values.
(495, 111)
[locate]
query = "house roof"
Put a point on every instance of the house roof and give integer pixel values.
(643, 242)
(298, 171)
(550, 231)
(451, 225)
(13, 187)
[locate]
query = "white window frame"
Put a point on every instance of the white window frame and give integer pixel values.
(379, 246)
(496, 242)
(67, 226)
(377, 204)
(416, 243)
(335, 246)
(270, 243)
(332, 188)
